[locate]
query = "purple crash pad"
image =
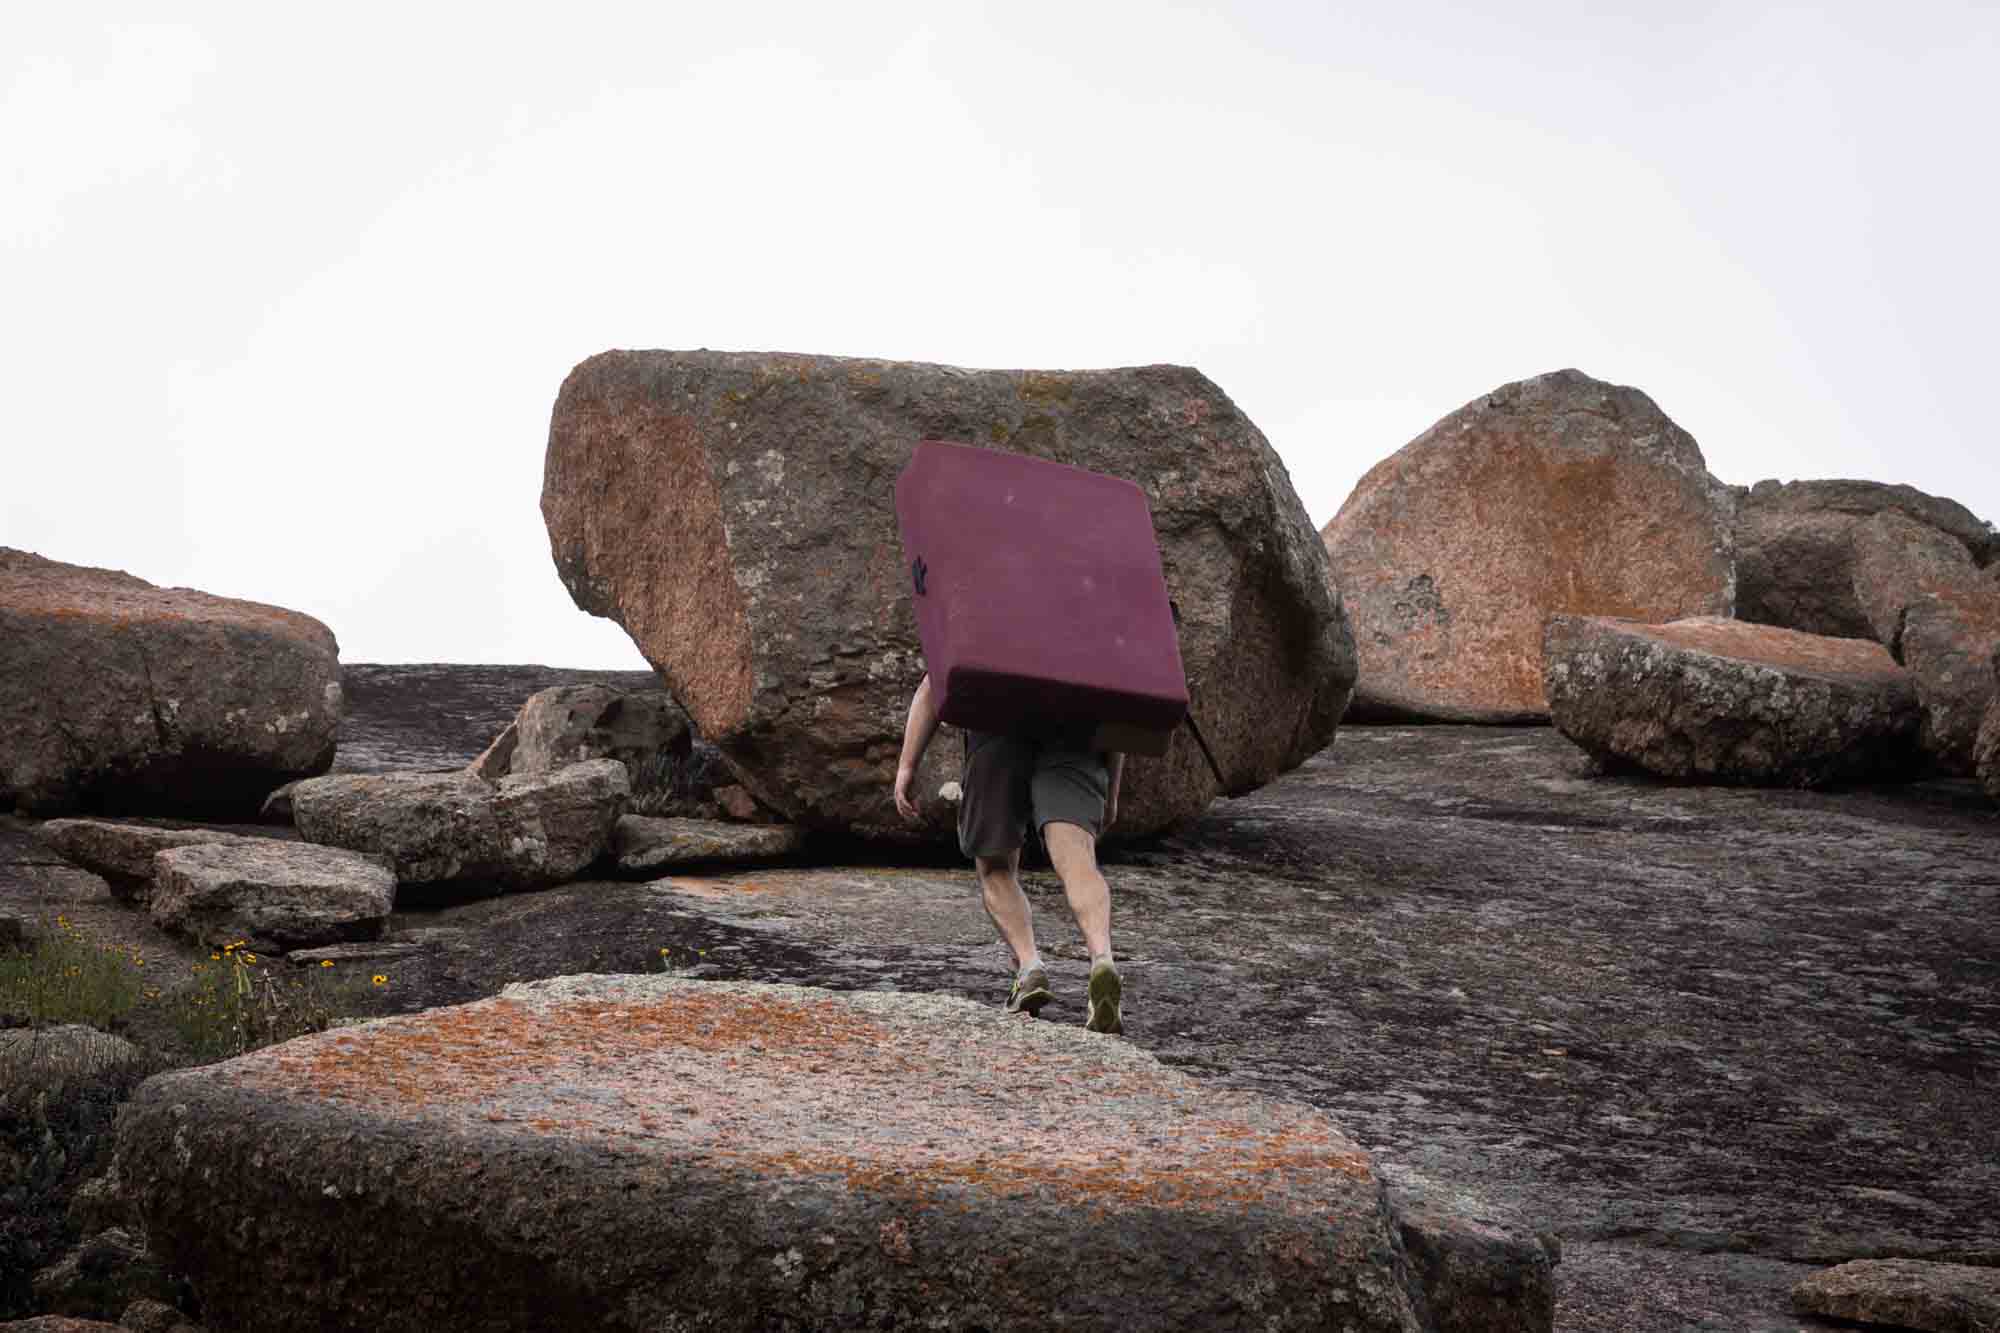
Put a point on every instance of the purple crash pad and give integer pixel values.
(1040, 599)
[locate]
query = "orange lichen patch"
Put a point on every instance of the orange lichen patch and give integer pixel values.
(1227, 1176)
(1772, 646)
(717, 889)
(459, 1054)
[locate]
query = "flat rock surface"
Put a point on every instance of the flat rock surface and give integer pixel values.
(756, 1157)
(1717, 1038)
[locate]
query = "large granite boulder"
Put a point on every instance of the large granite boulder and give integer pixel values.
(273, 895)
(1558, 494)
(455, 831)
(735, 513)
(655, 1152)
(1713, 700)
(1795, 548)
(120, 697)
(1939, 615)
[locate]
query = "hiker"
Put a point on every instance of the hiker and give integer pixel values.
(1070, 796)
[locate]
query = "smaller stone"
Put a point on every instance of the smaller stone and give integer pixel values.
(101, 1277)
(1905, 1293)
(736, 802)
(274, 895)
(277, 807)
(645, 845)
(497, 759)
(1714, 700)
(123, 853)
(155, 1317)
(98, 1205)
(568, 724)
(362, 952)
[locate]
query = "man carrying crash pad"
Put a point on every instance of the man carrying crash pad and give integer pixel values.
(1049, 641)
(1070, 796)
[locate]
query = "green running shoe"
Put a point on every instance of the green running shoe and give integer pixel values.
(1030, 993)
(1105, 992)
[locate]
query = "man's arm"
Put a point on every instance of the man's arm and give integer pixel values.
(1115, 761)
(921, 725)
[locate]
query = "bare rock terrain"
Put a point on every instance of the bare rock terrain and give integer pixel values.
(1714, 1039)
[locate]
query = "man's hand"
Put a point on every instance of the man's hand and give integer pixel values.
(1116, 763)
(906, 778)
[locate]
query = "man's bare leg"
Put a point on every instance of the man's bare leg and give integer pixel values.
(1000, 889)
(1073, 853)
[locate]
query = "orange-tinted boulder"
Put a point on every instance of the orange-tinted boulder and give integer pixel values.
(735, 512)
(1558, 494)
(120, 697)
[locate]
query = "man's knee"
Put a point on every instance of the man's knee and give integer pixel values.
(1070, 845)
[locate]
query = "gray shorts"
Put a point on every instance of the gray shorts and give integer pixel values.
(1009, 783)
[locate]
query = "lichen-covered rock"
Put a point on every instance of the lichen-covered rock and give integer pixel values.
(1554, 495)
(1938, 615)
(273, 895)
(1986, 748)
(103, 1275)
(568, 724)
(1795, 548)
(644, 845)
(118, 697)
(1714, 700)
(1905, 1293)
(735, 513)
(123, 852)
(457, 830)
(647, 1152)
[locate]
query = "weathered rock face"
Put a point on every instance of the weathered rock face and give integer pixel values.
(568, 724)
(1905, 1293)
(1986, 749)
(1795, 548)
(627, 1152)
(1558, 494)
(734, 512)
(120, 697)
(275, 896)
(1940, 617)
(454, 829)
(1713, 700)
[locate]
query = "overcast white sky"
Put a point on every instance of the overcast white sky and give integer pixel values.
(289, 291)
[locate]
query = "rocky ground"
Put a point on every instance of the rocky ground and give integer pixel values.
(1713, 1038)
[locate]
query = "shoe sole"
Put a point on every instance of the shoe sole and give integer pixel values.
(1031, 1003)
(1106, 992)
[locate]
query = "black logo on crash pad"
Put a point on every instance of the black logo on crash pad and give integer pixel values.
(918, 571)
